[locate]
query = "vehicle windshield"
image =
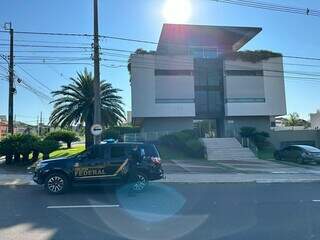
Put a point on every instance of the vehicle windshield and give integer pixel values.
(311, 149)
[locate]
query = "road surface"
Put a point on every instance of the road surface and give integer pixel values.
(180, 211)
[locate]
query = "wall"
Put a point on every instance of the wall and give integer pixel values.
(166, 124)
(315, 120)
(294, 136)
(272, 83)
(144, 83)
(233, 124)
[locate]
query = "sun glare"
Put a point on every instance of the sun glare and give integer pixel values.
(177, 11)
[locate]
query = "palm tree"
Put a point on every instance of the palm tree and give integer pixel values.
(73, 104)
(292, 120)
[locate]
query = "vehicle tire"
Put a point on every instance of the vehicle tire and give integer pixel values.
(140, 183)
(56, 183)
(300, 160)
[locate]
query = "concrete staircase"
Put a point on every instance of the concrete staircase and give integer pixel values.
(227, 149)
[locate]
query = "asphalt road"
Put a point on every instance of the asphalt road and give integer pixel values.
(184, 211)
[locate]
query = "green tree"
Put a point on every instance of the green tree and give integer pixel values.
(74, 103)
(64, 136)
(292, 120)
(47, 146)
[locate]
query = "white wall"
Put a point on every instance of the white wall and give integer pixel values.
(273, 84)
(144, 84)
(315, 120)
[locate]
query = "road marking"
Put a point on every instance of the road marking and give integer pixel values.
(84, 206)
(316, 200)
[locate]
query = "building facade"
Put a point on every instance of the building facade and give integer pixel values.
(195, 79)
(315, 120)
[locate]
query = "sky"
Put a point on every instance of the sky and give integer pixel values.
(286, 33)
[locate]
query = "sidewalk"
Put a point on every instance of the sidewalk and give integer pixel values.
(240, 178)
(188, 178)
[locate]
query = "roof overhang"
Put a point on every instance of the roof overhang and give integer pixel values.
(224, 37)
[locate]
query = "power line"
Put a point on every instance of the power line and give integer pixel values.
(272, 7)
(35, 79)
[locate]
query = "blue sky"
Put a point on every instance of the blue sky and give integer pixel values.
(142, 19)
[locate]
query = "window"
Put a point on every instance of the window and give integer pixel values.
(213, 78)
(118, 152)
(201, 52)
(244, 72)
(167, 72)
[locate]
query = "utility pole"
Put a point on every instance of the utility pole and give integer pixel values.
(11, 80)
(40, 125)
(96, 58)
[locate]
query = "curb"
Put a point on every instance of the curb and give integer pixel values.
(26, 180)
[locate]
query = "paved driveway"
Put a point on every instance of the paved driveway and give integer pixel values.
(238, 166)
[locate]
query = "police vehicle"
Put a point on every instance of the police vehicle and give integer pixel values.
(114, 163)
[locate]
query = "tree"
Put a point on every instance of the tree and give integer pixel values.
(292, 120)
(46, 147)
(64, 136)
(74, 103)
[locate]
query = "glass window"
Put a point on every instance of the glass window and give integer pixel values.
(118, 152)
(213, 78)
(196, 52)
(210, 53)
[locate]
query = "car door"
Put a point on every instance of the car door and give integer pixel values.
(292, 153)
(118, 160)
(92, 166)
(285, 153)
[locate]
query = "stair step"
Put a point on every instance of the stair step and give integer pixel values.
(227, 149)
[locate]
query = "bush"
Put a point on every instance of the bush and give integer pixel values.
(13, 146)
(247, 132)
(195, 148)
(186, 141)
(47, 146)
(118, 132)
(64, 136)
(258, 138)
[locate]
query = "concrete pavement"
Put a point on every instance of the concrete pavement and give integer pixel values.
(200, 171)
(164, 211)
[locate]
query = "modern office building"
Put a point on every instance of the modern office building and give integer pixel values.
(197, 78)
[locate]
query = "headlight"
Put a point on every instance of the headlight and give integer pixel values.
(41, 165)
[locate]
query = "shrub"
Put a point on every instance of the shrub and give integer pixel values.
(64, 136)
(13, 146)
(260, 139)
(47, 146)
(247, 132)
(195, 148)
(186, 141)
(118, 132)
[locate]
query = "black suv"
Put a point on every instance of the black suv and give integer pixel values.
(103, 163)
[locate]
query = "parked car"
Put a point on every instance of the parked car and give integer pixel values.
(103, 164)
(299, 153)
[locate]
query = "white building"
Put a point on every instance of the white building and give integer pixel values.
(315, 120)
(195, 78)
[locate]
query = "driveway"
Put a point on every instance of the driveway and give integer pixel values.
(238, 166)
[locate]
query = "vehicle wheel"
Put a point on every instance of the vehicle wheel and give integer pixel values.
(140, 183)
(56, 183)
(300, 160)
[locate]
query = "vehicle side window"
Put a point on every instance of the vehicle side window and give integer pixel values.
(118, 152)
(96, 152)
